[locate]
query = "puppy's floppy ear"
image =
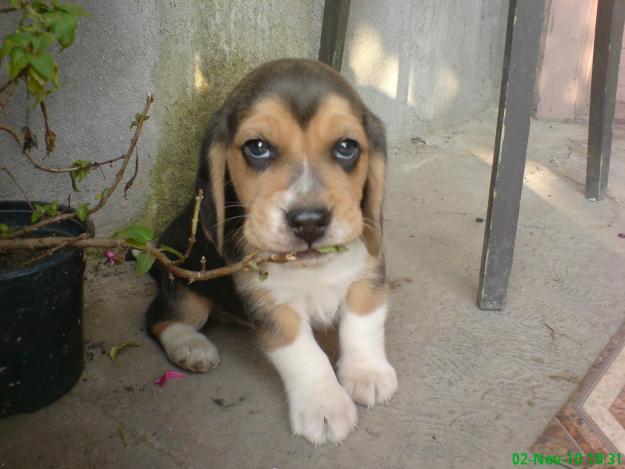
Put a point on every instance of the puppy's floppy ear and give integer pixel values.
(373, 195)
(211, 178)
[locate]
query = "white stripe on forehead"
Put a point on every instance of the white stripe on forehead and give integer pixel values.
(304, 184)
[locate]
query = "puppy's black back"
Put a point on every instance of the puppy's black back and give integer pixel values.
(220, 291)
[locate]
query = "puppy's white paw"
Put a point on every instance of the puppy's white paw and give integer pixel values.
(323, 414)
(189, 349)
(368, 382)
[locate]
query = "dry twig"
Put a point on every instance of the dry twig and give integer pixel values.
(50, 136)
(249, 262)
(107, 193)
(194, 222)
(54, 249)
(12, 132)
(8, 90)
(19, 188)
(131, 181)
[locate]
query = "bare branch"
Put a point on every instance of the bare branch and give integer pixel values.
(54, 249)
(44, 167)
(8, 173)
(8, 92)
(133, 143)
(250, 262)
(107, 193)
(194, 222)
(11, 131)
(131, 181)
(50, 136)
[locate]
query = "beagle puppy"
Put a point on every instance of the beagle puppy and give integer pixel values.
(292, 161)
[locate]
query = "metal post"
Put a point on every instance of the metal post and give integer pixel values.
(525, 20)
(335, 15)
(605, 68)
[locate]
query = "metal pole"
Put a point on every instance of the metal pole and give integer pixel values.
(525, 21)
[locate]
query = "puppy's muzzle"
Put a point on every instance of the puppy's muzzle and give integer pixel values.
(308, 224)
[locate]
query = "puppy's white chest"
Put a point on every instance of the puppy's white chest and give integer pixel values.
(316, 292)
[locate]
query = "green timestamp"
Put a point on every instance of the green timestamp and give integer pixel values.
(574, 459)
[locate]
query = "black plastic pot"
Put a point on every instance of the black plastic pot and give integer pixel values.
(41, 307)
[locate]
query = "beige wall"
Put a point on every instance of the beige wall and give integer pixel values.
(567, 62)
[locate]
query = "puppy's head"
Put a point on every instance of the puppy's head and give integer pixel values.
(293, 161)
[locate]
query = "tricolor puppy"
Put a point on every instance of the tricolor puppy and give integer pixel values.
(293, 161)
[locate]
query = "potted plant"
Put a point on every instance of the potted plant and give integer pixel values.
(41, 288)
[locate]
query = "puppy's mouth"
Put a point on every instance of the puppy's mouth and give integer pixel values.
(316, 254)
(308, 254)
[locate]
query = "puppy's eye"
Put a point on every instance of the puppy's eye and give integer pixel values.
(258, 153)
(346, 152)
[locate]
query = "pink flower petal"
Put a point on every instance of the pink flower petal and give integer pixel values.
(168, 375)
(110, 257)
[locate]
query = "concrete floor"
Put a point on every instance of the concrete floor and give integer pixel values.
(475, 386)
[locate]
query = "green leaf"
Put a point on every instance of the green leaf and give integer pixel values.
(170, 250)
(51, 209)
(71, 8)
(48, 210)
(40, 211)
(38, 77)
(15, 4)
(21, 39)
(41, 40)
(72, 175)
(36, 84)
(82, 164)
(118, 348)
(99, 195)
(35, 216)
(136, 234)
(82, 212)
(83, 168)
(19, 60)
(63, 25)
(40, 6)
(4, 228)
(135, 121)
(144, 262)
(55, 76)
(34, 16)
(44, 64)
(12, 41)
(134, 244)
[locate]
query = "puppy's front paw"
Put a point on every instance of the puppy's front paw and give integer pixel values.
(368, 383)
(189, 349)
(323, 414)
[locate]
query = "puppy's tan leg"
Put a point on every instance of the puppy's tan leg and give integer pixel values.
(319, 408)
(363, 368)
(181, 316)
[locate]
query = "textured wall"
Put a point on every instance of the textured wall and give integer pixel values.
(189, 54)
(423, 64)
(420, 64)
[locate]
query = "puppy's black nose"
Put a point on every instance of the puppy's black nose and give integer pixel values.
(308, 224)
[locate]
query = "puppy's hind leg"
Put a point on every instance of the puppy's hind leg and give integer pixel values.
(174, 318)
